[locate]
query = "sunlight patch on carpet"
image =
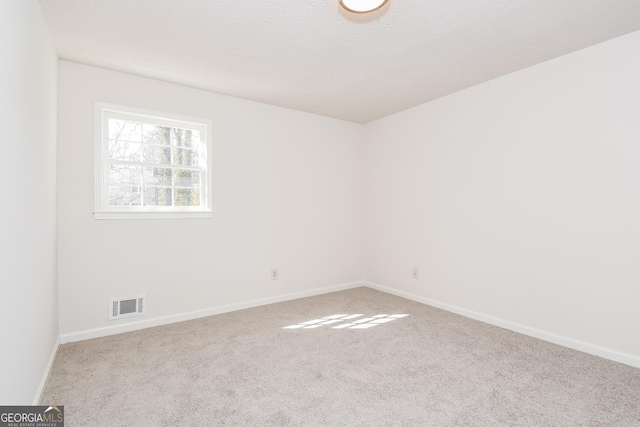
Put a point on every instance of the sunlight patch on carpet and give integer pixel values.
(364, 323)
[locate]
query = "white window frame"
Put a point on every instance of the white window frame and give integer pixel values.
(102, 208)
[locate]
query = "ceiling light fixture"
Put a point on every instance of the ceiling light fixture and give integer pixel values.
(362, 6)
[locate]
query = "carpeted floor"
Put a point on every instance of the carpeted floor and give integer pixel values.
(430, 368)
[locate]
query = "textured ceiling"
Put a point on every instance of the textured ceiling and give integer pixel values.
(311, 56)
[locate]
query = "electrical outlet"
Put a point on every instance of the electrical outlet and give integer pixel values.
(415, 272)
(274, 274)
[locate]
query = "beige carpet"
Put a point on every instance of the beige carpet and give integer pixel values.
(431, 368)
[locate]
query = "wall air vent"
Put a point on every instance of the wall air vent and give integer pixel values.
(126, 307)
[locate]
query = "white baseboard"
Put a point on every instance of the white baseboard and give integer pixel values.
(575, 344)
(164, 320)
(45, 376)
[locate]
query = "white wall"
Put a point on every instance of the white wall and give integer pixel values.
(29, 315)
(287, 194)
(519, 198)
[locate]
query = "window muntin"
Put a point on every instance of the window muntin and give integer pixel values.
(151, 163)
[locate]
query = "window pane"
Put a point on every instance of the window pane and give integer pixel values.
(127, 151)
(124, 196)
(156, 196)
(155, 154)
(157, 176)
(181, 137)
(195, 139)
(187, 197)
(156, 134)
(188, 138)
(185, 157)
(123, 130)
(186, 178)
(125, 174)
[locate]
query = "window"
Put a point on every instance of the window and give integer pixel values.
(151, 165)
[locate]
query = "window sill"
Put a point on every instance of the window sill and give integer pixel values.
(152, 215)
